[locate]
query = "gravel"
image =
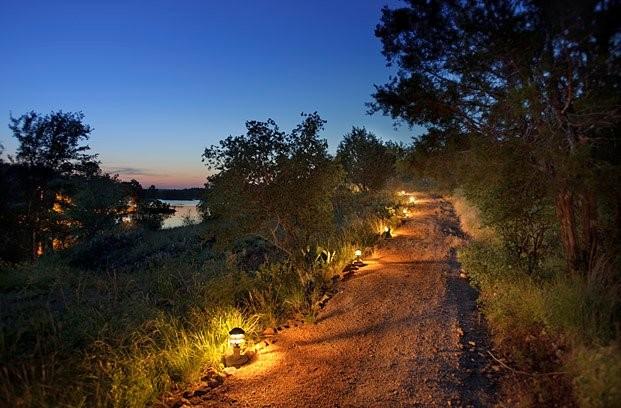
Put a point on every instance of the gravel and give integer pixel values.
(403, 331)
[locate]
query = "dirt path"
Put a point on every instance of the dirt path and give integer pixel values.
(391, 336)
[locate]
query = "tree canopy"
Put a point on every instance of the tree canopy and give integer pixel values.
(53, 141)
(538, 78)
(367, 161)
(274, 183)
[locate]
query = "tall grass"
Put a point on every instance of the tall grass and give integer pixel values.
(123, 319)
(579, 315)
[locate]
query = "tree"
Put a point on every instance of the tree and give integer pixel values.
(542, 77)
(50, 150)
(145, 210)
(92, 206)
(368, 163)
(54, 142)
(274, 184)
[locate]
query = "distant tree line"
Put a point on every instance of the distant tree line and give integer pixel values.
(194, 193)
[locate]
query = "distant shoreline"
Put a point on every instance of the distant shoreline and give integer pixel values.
(185, 194)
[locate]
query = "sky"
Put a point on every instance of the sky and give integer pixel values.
(160, 80)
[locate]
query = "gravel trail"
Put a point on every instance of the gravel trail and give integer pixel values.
(402, 332)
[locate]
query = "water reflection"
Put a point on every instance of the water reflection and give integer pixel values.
(184, 210)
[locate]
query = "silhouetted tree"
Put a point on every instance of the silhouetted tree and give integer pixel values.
(368, 163)
(541, 78)
(275, 184)
(50, 149)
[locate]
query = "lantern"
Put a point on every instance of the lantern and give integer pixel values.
(237, 338)
(358, 258)
(386, 233)
(412, 200)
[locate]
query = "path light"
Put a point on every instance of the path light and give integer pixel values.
(358, 258)
(401, 193)
(237, 338)
(386, 234)
(412, 200)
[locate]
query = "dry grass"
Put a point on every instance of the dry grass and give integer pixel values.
(470, 219)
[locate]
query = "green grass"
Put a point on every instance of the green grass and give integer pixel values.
(576, 314)
(124, 319)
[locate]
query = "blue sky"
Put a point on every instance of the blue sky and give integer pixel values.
(161, 80)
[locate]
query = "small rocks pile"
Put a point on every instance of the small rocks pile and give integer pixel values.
(209, 382)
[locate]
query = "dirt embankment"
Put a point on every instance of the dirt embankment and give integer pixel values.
(402, 332)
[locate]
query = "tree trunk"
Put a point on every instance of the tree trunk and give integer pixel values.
(567, 219)
(589, 231)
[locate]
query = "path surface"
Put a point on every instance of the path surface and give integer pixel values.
(391, 336)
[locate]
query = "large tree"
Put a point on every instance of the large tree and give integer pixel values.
(368, 163)
(540, 76)
(274, 184)
(51, 150)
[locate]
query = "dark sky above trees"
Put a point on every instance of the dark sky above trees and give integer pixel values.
(158, 80)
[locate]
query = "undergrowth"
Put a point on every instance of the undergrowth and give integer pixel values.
(550, 321)
(129, 317)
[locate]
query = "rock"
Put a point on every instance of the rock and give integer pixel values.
(270, 331)
(180, 403)
(230, 370)
(472, 343)
(459, 331)
(215, 382)
(463, 275)
(188, 394)
(202, 391)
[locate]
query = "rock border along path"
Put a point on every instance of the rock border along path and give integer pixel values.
(404, 331)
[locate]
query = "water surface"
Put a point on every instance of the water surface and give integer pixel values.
(184, 209)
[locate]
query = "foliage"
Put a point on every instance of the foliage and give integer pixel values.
(54, 141)
(274, 184)
(96, 204)
(368, 163)
(124, 317)
(540, 79)
(538, 317)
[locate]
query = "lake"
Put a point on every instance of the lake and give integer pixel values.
(183, 209)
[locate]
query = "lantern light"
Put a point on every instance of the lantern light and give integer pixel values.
(412, 199)
(386, 234)
(237, 338)
(358, 261)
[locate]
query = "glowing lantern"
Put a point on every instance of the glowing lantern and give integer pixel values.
(237, 338)
(412, 200)
(386, 233)
(358, 258)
